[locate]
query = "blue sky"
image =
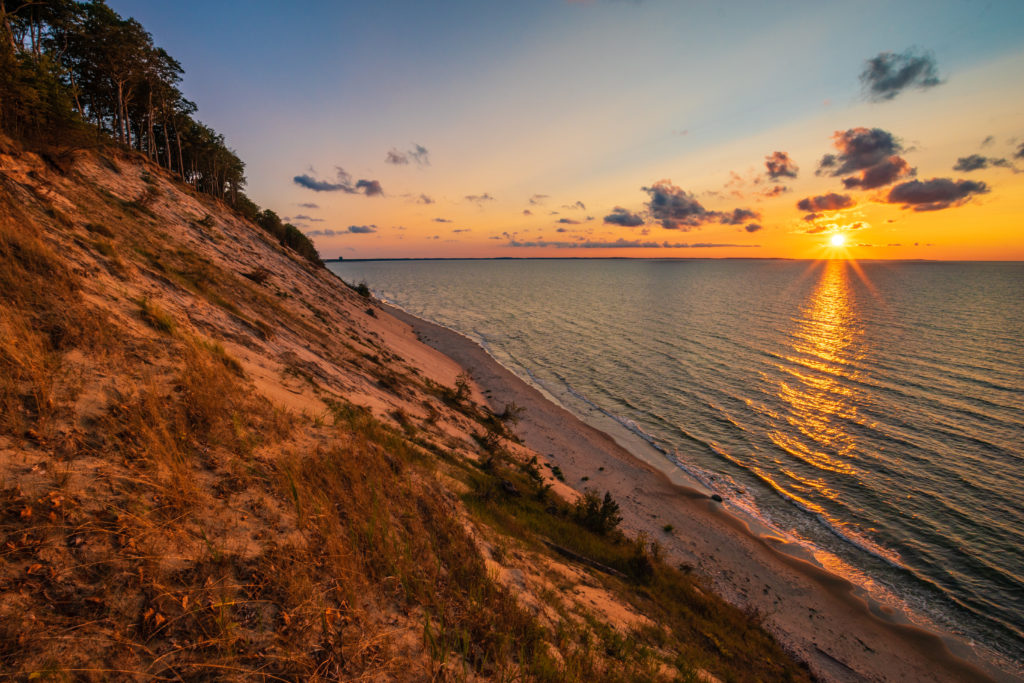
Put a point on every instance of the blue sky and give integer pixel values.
(579, 101)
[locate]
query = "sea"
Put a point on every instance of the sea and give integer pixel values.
(872, 411)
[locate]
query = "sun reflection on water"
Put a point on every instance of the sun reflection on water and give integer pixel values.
(820, 403)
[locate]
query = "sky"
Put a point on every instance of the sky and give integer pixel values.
(644, 128)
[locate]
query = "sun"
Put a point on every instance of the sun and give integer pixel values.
(838, 240)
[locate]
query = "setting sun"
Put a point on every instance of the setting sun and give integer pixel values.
(838, 240)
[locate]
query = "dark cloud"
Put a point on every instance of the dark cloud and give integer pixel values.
(578, 205)
(976, 162)
(736, 216)
(311, 183)
(674, 207)
(309, 205)
(935, 194)
(870, 154)
(397, 158)
(1019, 154)
(971, 162)
(621, 216)
(425, 199)
(888, 74)
(826, 202)
(527, 212)
(623, 244)
(568, 221)
(442, 220)
(989, 139)
(372, 188)
(779, 165)
(462, 230)
(677, 209)
(304, 217)
(881, 174)
(343, 184)
(775, 191)
(752, 227)
(562, 230)
(361, 229)
(538, 198)
(479, 198)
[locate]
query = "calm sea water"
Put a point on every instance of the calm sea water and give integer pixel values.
(873, 410)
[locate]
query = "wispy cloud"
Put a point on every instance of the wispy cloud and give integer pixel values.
(350, 230)
(622, 244)
(479, 199)
(418, 154)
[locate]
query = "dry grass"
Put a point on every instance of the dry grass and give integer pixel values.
(160, 519)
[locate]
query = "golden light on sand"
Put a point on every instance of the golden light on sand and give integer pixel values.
(837, 240)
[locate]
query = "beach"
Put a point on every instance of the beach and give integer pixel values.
(821, 618)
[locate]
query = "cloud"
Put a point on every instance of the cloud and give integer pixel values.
(680, 210)
(779, 165)
(870, 154)
(971, 162)
(623, 244)
(989, 139)
(578, 205)
(888, 74)
(935, 194)
(425, 199)
(418, 153)
(975, 162)
(736, 216)
(462, 230)
(752, 227)
(304, 217)
(343, 184)
(311, 183)
(568, 221)
(397, 158)
(479, 198)
(674, 207)
(826, 202)
(527, 212)
(371, 187)
(1019, 154)
(881, 174)
(621, 216)
(352, 229)
(309, 205)
(775, 191)
(538, 198)
(442, 220)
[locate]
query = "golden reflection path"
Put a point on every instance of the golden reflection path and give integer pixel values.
(820, 402)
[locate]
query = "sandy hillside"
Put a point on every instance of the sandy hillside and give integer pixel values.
(217, 460)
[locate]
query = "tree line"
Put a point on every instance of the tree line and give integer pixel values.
(70, 68)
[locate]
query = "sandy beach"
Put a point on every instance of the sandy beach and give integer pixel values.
(818, 616)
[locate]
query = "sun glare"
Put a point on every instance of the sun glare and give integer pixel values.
(838, 240)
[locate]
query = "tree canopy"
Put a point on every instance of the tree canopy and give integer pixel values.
(69, 66)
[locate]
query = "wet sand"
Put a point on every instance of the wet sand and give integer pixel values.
(818, 616)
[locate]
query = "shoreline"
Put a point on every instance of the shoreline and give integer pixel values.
(821, 618)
